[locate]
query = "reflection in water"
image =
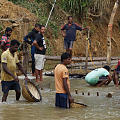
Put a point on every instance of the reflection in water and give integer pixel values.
(99, 107)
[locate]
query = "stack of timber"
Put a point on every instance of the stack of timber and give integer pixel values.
(81, 59)
(79, 62)
(92, 65)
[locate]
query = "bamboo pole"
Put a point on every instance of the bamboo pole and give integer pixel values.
(86, 62)
(50, 13)
(109, 33)
(80, 59)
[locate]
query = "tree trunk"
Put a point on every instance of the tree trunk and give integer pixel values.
(25, 51)
(109, 34)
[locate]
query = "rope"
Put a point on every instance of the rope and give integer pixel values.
(89, 51)
(50, 14)
(90, 54)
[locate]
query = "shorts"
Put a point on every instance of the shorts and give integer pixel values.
(39, 61)
(10, 85)
(68, 44)
(62, 100)
(103, 78)
(118, 72)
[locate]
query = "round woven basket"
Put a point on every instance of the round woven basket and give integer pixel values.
(31, 92)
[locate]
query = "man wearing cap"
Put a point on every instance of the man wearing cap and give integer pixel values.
(5, 41)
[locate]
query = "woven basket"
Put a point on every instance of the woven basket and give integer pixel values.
(31, 92)
(77, 105)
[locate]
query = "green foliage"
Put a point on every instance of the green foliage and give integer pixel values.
(1, 28)
(17, 1)
(76, 7)
(38, 1)
(54, 28)
(80, 8)
(40, 9)
(48, 47)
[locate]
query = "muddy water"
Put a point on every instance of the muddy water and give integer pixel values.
(99, 107)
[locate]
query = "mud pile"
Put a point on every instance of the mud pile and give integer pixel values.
(14, 16)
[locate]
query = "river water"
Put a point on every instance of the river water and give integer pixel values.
(99, 107)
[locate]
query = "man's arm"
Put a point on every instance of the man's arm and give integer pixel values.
(67, 89)
(63, 30)
(109, 78)
(63, 33)
(36, 45)
(105, 82)
(78, 27)
(115, 78)
(28, 37)
(21, 69)
(3, 46)
(4, 66)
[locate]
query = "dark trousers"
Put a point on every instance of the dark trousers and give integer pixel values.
(33, 63)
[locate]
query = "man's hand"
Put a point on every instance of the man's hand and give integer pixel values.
(86, 28)
(26, 78)
(40, 48)
(16, 78)
(117, 87)
(64, 34)
(71, 99)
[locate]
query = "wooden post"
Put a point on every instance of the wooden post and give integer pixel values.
(87, 43)
(25, 51)
(109, 33)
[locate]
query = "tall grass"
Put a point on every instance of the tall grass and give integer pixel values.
(76, 7)
(81, 7)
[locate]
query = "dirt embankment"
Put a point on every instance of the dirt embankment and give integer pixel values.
(99, 28)
(16, 15)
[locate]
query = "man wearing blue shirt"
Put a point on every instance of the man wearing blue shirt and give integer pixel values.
(69, 34)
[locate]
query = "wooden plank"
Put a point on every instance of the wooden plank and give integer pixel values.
(94, 65)
(81, 59)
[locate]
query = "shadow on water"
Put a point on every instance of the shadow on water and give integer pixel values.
(99, 107)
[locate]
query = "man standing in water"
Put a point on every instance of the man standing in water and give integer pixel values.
(62, 83)
(9, 78)
(32, 36)
(40, 51)
(69, 34)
